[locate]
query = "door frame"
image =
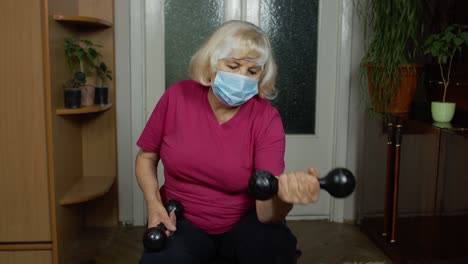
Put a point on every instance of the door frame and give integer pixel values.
(131, 201)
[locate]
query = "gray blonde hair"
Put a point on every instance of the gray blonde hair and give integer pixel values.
(236, 39)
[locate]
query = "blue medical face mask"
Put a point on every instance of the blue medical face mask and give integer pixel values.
(234, 89)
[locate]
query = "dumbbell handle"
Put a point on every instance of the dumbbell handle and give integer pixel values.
(162, 227)
(339, 182)
(155, 238)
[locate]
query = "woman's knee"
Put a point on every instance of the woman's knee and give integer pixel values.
(269, 232)
(272, 237)
(265, 242)
(169, 256)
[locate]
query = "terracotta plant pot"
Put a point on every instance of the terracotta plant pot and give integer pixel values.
(87, 95)
(403, 95)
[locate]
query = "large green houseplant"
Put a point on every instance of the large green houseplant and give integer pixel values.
(391, 33)
(444, 46)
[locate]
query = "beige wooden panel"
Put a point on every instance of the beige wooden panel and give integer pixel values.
(66, 130)
(66, 147)
(99, 133)
(22, 257)
(103, 9)
(25, 246)
(99, 159)
(24, 210)
(67, 8)
(99, 151)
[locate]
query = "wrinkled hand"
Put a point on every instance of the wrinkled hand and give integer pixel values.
(158, 214)
(299, 187)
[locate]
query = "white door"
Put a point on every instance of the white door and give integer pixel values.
(303, 149)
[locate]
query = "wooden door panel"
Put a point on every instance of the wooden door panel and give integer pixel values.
(24, 210)
(21, 257)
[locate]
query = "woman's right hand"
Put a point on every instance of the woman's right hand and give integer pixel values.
(157, 214)
(299, 187)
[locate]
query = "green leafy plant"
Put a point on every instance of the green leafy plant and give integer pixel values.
(392, 30)
(444, 46)
(103, 73)
(82, 56)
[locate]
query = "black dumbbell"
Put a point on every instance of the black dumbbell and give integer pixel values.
(155, 238)
(339, 182)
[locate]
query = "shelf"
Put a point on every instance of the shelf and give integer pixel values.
(82, 21)
(83, 110)
(87, 189)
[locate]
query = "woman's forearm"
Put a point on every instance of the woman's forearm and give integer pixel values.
(273, 210)
(147, 177)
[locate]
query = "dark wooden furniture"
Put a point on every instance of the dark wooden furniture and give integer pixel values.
(414, 181)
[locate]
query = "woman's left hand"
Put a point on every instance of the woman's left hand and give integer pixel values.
(299, 187)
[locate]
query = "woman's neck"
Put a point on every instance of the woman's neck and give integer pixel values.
(222, 112)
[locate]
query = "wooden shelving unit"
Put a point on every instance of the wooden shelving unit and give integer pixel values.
(84, 149)
(87, 189)
(83, 21)
(83, 110)
(66, 181)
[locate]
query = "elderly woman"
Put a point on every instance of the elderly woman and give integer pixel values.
(211, 133)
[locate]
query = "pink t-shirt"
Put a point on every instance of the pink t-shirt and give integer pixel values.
(207, 166)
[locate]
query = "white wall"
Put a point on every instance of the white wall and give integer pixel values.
(356, 115)
(123, 96)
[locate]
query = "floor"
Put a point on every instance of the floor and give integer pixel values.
(321, 242)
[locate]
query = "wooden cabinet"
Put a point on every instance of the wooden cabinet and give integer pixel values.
(23, 148)
(16, 257)
(58, 166)
(413, 204)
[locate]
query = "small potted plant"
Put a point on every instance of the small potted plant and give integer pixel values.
(102, 91)
(444, 46)
(81, 56)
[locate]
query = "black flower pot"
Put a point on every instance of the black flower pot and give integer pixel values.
(101, 95)
(72, 98)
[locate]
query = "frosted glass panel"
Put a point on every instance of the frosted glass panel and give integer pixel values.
(292, 28)
(187, 24)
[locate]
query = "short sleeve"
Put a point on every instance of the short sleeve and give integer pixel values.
(153, 133)
(270, 145)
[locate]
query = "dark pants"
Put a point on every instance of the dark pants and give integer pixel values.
(250, 241)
